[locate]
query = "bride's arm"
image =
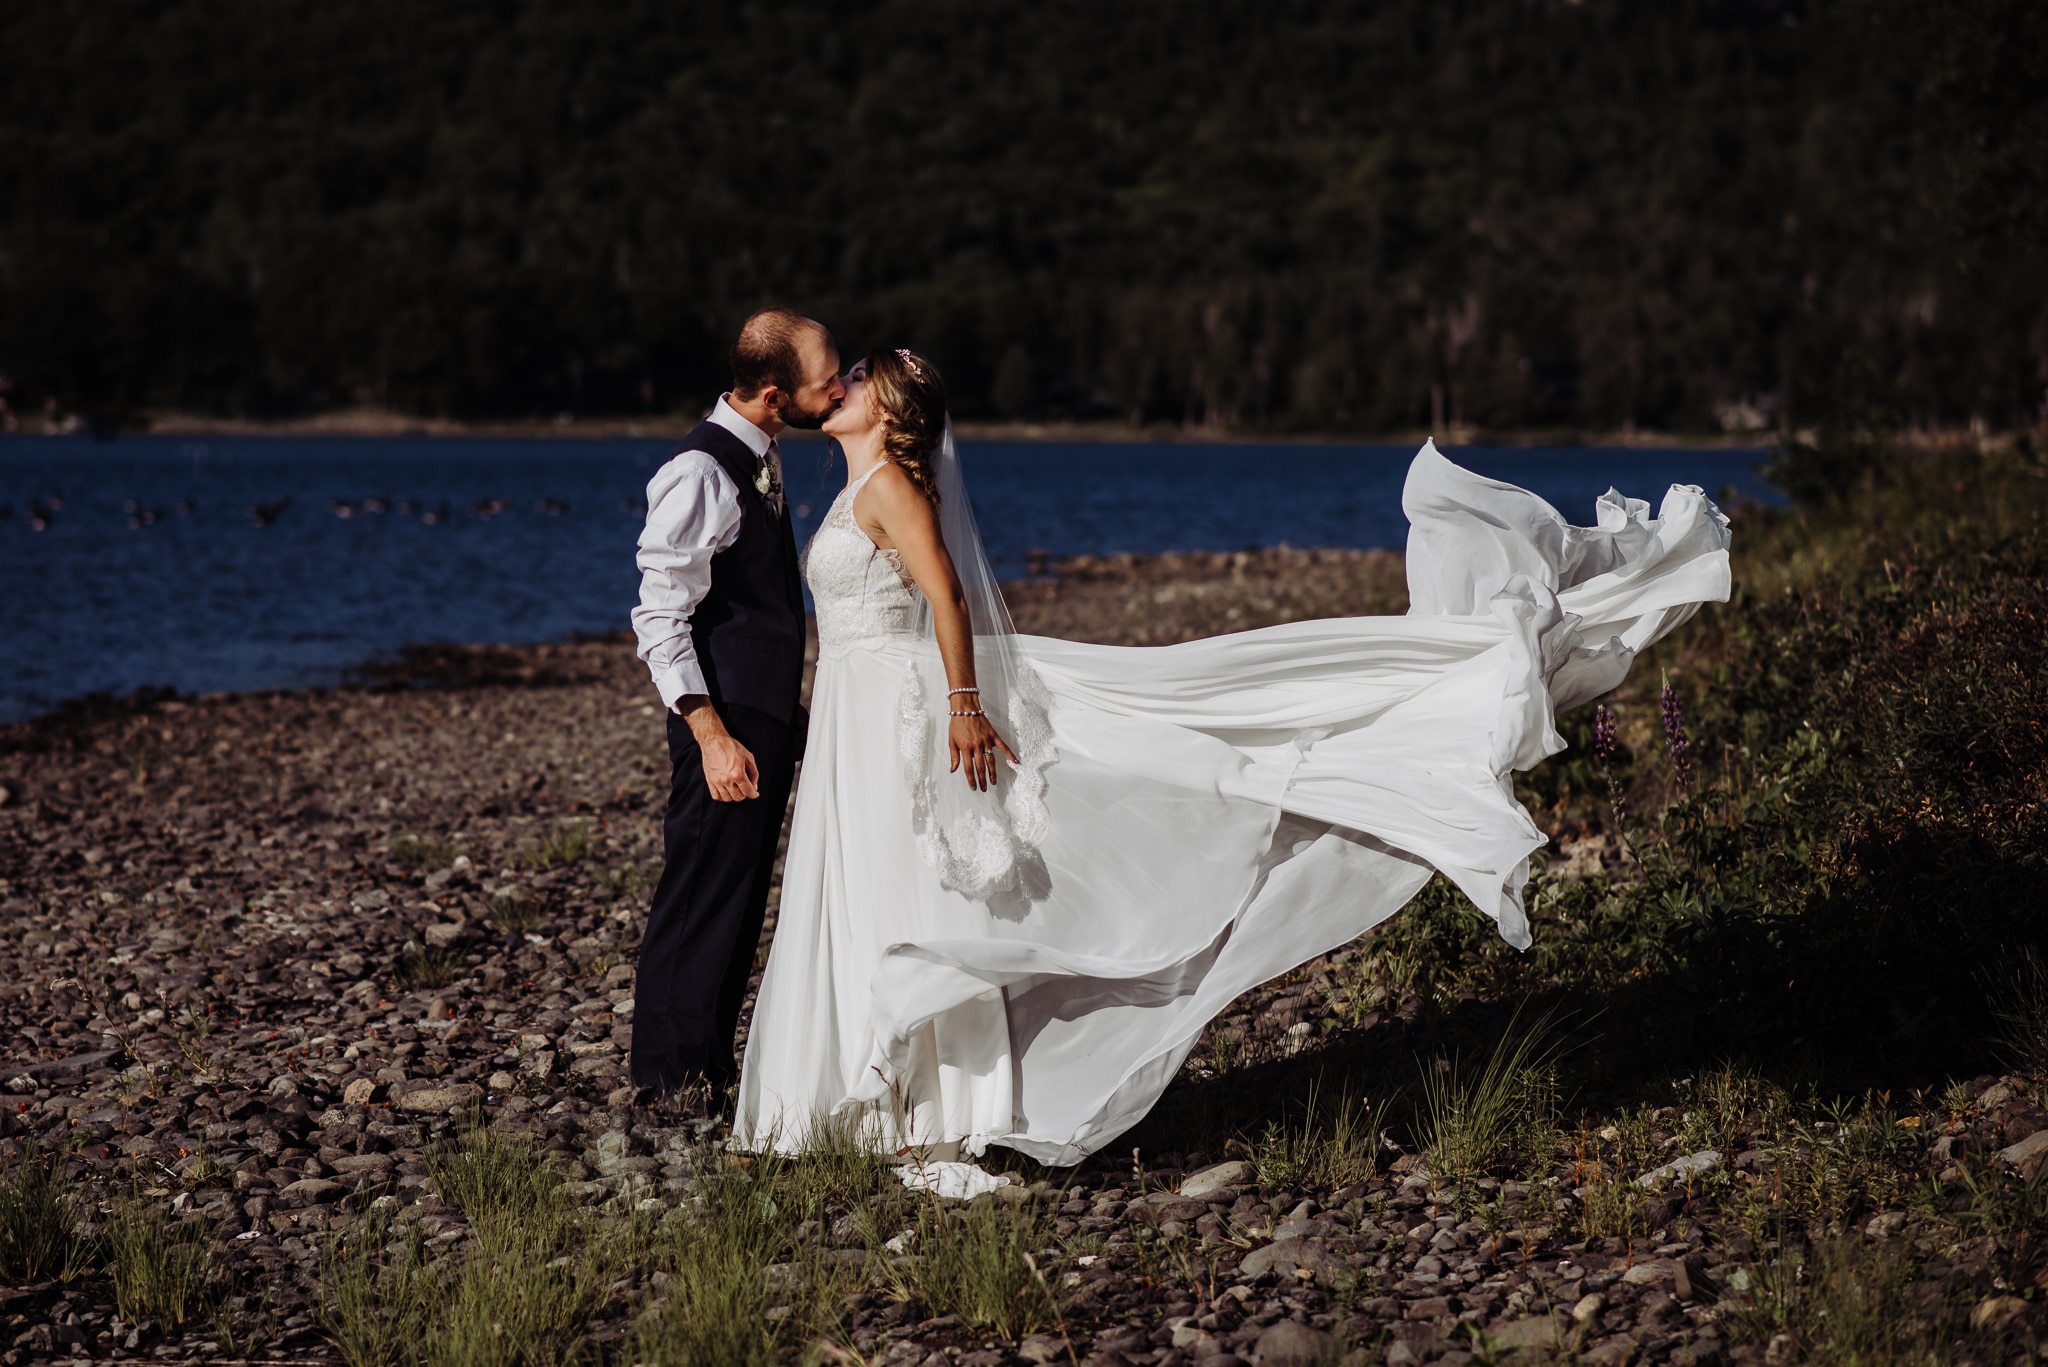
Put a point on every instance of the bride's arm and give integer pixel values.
(898, 509)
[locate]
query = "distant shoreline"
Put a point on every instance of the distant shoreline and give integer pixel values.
(361, 423)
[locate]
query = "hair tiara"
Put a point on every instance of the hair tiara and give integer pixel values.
(910, 361)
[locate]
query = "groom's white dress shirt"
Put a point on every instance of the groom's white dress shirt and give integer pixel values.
(693, 513)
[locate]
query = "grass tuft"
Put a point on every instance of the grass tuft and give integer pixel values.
(750, 1276)
(1841, 1301)
(626, 880)
(423, 852)
(374, 1294)
(1474, 1120)
(565, 844)
(39, 1218)
(517, 911)
(976, 1262)
(1326, 1150)
(533, 1276)
(2019, 1004)
(162, 1271)
(426, 966)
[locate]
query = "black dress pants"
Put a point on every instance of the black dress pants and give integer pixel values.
(705, 921)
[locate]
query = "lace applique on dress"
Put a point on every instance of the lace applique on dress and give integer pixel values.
(979, 844)
(860, 590)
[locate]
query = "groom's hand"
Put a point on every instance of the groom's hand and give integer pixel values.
(729, 769)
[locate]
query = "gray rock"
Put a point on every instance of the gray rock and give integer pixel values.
(315, 1189)
(1692, 1165)
(440, 1100)
(1211, 1180)
(1286, 1256)
(364, 1162)
(1305, 1229)
(444, 934)
(2026, 1155)
(1042, 1348)
(1290, 1344)
(1648, 1273)
(1533, 1331)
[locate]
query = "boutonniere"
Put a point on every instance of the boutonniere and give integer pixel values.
(764, 479)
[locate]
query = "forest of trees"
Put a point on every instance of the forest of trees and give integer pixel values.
(1358, 215)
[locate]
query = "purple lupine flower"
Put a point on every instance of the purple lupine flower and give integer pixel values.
(1672, 708)
(1603, 735)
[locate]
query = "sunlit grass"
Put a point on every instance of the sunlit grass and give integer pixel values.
(162, 1271)
(1475, 1117)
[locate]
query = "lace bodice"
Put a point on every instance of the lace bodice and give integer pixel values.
(860, 590)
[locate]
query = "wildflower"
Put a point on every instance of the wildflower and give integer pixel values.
(1672, 708)
(1605, 742)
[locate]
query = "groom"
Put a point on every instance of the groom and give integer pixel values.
(721, 627)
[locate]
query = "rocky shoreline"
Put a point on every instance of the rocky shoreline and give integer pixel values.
(267, 956)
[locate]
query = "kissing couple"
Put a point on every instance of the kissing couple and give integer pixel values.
(1024, 873)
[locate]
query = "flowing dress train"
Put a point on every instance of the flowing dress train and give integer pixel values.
(1204, 817)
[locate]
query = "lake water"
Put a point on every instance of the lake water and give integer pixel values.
(154, 572)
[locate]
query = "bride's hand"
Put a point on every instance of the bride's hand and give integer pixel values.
(974, 744)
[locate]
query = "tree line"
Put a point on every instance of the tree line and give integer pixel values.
(1358, 215)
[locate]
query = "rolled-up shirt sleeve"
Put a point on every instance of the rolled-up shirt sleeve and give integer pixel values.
(693, 512)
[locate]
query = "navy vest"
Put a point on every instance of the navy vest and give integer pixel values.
(749, 630)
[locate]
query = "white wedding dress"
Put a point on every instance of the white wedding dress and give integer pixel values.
(1189, 821)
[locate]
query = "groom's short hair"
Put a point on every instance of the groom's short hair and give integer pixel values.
(766, 352)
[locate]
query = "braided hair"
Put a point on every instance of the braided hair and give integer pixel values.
(911, 395)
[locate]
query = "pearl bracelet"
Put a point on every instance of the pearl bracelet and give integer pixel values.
(977, 712)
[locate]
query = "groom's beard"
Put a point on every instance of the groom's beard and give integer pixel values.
(805, 420)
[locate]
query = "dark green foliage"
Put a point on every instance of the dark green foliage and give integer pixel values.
(1867, 852)
(1356, 216)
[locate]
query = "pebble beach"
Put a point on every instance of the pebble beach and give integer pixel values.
(267, 954)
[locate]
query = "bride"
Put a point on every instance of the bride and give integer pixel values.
(1024, 873)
